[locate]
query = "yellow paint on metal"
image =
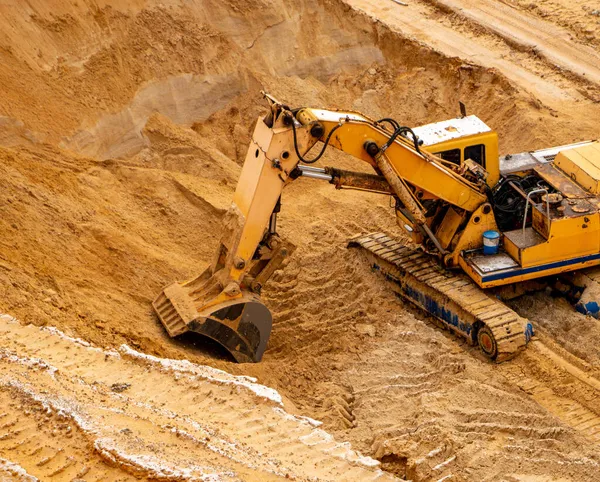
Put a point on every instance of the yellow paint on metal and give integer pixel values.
(582, 164)
(488, 139)
(426, 174)
(471, 237)
(404, 222)
(512, 249)
(448, 227)
(524, 277)
(560, 181)
(270, 159)
(568, 238)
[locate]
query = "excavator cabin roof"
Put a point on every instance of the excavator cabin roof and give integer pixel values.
(447, 130)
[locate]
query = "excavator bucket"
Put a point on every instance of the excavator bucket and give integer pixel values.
(241, 325)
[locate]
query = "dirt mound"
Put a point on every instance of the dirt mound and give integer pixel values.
(89, 78)
(556, 318)
(152, 418)
(124, 125)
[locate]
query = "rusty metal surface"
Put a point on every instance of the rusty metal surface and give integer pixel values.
(572, 208)
(552, 198)
(581, 207)
(524, 161)
(561, 182)
(582, 165)
(491, 263)
(358, 180)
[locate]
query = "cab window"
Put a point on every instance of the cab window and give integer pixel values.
(452, 155)
(476, 153)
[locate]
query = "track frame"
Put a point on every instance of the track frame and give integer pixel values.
(452, 298)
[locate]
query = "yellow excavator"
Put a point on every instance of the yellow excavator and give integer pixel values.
(485, 228)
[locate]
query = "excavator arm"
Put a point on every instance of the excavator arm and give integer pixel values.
(223, 302)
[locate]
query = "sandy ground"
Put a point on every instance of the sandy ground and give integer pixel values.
(153, 418)
(122, 130)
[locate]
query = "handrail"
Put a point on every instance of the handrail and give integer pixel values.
(536, 191)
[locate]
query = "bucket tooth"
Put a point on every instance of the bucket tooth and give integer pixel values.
(175, 309)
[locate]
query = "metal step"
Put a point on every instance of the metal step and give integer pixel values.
(452, 297)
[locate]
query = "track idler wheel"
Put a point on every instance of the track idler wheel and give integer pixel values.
(487, 342)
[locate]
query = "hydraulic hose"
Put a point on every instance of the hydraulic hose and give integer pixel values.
(401, 130)
(326, 143)
(393, 122)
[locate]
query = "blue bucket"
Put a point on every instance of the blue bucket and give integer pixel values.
(491, 242)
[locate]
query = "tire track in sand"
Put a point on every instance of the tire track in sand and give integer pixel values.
(528, 34)
(553, 379)
(123, 414)
(528, 68)
(47, 444)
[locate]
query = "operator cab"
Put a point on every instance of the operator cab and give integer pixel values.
(457, 140)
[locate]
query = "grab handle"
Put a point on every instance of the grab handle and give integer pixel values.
(536, 191)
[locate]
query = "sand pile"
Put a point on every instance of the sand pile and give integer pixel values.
(123, 127)
(152, 418)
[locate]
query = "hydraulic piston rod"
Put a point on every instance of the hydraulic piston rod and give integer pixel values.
(347, 179)
(315, 173)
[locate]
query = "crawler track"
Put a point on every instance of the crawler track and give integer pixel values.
(452, 298)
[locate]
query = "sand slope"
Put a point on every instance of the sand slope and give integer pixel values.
(122, 130)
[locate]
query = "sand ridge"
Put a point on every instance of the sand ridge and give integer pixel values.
(123, 126)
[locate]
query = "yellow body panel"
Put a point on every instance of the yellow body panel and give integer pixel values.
(448, 228)
(568, 243)
(582, 164)
(524, 277)
(471, 237)
(512, 250)
(561, 181)
(260, 186)
(568, 239)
